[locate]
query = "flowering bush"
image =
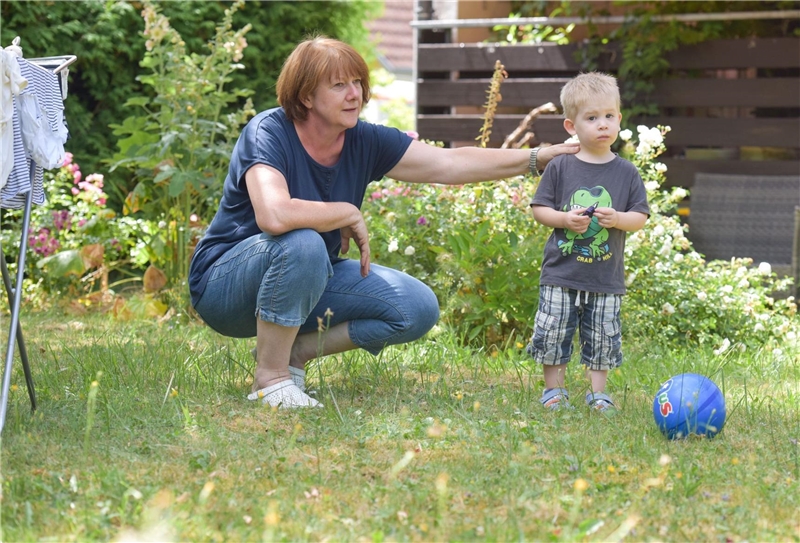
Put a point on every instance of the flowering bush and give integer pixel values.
(74, 240)
(479, 249)
(675, 294)
(178, 143)
(476, 246)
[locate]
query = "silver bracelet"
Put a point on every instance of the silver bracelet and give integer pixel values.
(533, 165)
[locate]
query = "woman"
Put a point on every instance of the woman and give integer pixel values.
(269, 264)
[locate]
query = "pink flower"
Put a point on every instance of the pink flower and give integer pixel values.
(422, 221)
(67, 159)
(76, 175)
(75, 191)
(96, 179)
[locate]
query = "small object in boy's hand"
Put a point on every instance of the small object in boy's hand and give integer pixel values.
(589, 211)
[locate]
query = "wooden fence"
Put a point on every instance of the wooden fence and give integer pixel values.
(733, 105)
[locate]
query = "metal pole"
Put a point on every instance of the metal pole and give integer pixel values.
(614, 19)
(23, 245)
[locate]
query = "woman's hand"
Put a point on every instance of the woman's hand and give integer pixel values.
(358, 233)
(546, 154)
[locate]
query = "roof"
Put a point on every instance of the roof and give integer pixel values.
(394, 36)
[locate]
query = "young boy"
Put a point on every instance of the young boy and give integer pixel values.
(590, 199)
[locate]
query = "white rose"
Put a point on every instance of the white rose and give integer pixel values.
(667, 309)
(764, 268)
(661, 167)
(393, 245)
(625, 135)
(409, 250)
(702, 296)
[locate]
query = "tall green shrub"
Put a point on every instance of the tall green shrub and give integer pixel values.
(178, 143)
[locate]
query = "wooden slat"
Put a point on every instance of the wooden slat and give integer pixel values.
(764, 92)
(686, 131)
(528, 93)
(742, 53)
(467, 127)
(532, 92)
(681, 172)
(721, 54)
(482, 57)
(710, 132)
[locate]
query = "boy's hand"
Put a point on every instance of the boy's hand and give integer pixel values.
(607, 217)
(577, 221)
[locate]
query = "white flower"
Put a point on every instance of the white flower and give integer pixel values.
(650, 186)
(661, 167)
(758, 327)
(727, 289)
(667, 309)
(677, 233)
(777, 352)
(678, 258)
(658, 230)
(392, 245)
(726, 343)
(679, 193)
(743, 283)
(764, 268)
(791, 335)
(625, 135)
(702, 296)
(409, 250)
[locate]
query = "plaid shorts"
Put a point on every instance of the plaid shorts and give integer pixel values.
(594, 315)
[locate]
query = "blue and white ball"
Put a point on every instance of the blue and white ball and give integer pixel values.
(689, 404)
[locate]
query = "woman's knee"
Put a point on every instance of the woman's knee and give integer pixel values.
(305, 254)
(421, 309)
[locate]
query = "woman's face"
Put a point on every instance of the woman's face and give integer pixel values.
(337, 101)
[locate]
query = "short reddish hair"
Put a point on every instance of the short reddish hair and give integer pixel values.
(313, 61)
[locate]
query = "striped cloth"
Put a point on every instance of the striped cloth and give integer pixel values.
(48, 91)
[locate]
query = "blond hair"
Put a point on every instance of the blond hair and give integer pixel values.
(313, 61)
(585, 88)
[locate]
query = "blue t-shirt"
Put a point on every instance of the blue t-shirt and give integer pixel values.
(369, 151)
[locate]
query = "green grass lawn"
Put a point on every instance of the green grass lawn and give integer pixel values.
(143, 433)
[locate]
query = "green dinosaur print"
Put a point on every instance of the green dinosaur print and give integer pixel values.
(581, 199)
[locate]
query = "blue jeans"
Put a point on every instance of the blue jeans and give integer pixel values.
(289, 280)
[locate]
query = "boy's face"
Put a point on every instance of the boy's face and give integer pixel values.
(596, 124)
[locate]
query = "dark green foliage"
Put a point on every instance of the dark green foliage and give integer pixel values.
(106, 38)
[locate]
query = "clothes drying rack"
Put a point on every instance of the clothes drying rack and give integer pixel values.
(58, 65)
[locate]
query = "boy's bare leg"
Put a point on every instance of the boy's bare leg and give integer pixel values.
(554, 376)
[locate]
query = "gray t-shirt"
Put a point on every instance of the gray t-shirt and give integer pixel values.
(592, 261)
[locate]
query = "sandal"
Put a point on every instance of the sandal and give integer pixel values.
(555, 398)
(601, 402)
(284, 395)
